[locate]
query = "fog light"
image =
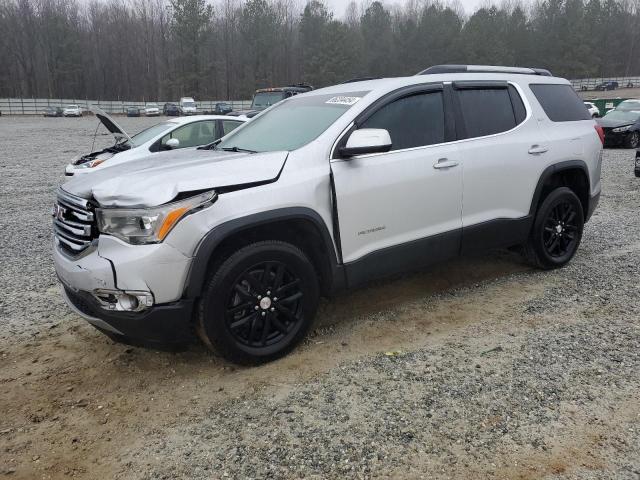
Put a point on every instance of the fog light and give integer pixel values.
(124, 300)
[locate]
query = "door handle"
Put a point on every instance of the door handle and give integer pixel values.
(538, 149)
(445, 163)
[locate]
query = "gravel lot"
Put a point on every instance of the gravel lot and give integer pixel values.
(478, 368)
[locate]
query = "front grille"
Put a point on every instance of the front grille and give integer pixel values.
(74, 224)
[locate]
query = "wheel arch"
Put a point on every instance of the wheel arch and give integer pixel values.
(573, 174)
(299, 226)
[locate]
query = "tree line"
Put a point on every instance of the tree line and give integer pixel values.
(164, 49)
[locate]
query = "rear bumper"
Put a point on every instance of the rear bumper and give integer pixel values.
(161, 326)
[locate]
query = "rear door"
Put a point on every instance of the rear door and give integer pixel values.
(502, 149)
(402, 208)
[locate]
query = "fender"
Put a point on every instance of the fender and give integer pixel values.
(199, 266)
(555, 168)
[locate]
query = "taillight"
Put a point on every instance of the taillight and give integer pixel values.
(600, 133)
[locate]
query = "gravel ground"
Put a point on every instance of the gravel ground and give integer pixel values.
(478, 368)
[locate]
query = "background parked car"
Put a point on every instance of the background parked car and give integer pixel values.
(192, 131)
(188, 106)
(171, 110)
(222, 108)
(72, 111)
(621, 128)
(593, 109)
(152, 110)
(133, 112)
(609, 85)
(629, 105)
(52, 112)
(265, 97)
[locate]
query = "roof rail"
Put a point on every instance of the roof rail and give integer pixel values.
(484, 69)
(359, 79)
(301, 85)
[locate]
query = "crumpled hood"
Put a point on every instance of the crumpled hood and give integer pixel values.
(160, 178)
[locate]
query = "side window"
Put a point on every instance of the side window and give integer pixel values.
(560, 102)
(193, 134)
(486, 111)
(412, 121)
(229, 126)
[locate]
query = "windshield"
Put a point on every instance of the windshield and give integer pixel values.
(623, 116)
(629, 105)
(188, 104)
(72, 106)
(263, 100)
(145, 135)
(291, 124)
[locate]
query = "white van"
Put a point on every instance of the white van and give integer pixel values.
(188, 106)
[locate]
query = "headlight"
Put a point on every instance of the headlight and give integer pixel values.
(149, 225)
(90, 164)
(622, 129)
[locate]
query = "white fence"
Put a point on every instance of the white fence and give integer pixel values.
(590, 83)
(36, 106)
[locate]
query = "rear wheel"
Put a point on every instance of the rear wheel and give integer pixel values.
(557, 229)
(260, 303)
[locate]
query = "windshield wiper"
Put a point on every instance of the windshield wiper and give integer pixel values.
(237, 149)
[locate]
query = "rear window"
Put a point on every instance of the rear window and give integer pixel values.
(560, 102)
(487, 111)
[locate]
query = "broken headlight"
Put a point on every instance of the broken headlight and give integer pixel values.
(149, 225)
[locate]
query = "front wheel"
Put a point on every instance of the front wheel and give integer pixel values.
(557, 229)
(260, 303)
(633, 139)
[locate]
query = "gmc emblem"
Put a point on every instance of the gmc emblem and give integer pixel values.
(58, 212)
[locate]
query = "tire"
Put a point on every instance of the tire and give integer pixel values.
(633, 140)
(557, 229)
(637, 173)
(240, 315)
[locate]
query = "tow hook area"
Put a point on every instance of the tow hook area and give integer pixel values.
(124, 300)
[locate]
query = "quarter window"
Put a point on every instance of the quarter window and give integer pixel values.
(486, 111)
(228, 126)
(560, 102)
(412, 121)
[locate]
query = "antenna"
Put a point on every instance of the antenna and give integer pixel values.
(94, 135)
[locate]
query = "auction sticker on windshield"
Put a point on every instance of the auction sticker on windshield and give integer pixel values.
(343, 100)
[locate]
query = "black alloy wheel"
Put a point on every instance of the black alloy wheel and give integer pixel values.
(264, 304)
(557, 229)
(259, 303)
(633, 140)
(561, 229)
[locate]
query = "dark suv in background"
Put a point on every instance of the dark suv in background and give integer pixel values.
(609, 85)
(265, 97)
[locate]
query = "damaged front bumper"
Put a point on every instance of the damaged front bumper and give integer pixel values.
(131, 293)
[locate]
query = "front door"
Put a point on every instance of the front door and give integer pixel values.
(401, 209)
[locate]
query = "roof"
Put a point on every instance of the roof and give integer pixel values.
(384, 85)
(196, 118)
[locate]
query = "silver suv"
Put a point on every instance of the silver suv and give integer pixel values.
(237, 241)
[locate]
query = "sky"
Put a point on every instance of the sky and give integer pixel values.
(339, 6)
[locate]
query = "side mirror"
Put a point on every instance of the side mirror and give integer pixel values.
(367, 140)
(172, 143)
